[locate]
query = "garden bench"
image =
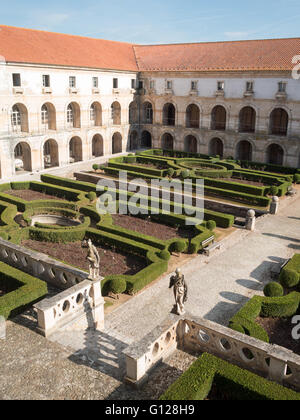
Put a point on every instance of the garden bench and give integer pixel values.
(208, 250)
(208, 241)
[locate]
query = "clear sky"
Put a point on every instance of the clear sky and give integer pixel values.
(158, 21)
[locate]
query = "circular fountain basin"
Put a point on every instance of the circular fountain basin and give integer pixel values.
(52, 219)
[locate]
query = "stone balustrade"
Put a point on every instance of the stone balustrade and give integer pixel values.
(40, 265)
(79, 307)
(143, 356)
(199, 335)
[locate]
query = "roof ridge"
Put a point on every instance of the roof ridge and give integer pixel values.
(217, 42)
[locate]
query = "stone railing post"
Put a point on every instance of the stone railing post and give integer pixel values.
(250, 220)
(274, 206)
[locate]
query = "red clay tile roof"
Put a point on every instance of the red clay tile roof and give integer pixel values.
(274, 54)
(30, 46)
(38, 47)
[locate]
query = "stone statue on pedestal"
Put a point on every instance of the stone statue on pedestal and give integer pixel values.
(180, 291)
(94, 261)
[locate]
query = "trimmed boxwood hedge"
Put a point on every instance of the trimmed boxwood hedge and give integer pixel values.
(268, 307)
(290, 274)
(28, 290)
(238, 384)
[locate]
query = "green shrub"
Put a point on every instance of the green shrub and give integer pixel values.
(185, 174)
(274, 190)
(297, 178)
(96, 167)
(118, 285)
(273, 289)
(92, 196)
(289, 278)
(211, 225)
(179, 246)
(171, 172)
(26, 290)
(165, 255)
(237, 384)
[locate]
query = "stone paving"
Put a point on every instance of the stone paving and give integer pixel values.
(90, 365)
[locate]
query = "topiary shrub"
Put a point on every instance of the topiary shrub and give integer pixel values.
(297, 178)
(289, 278)
(118, 286)
(179, 246)
(211, 225)
(274, 190)
(165, 255)
(185, 174)
(273, 289)
(91, 196)
(96, 167)
(171, 172)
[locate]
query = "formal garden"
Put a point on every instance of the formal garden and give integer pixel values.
(56, 217)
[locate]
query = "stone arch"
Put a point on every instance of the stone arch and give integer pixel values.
(22, 155)
(116, 143)
(96, 114)
(218, 118)
(75, 149)
(244, 150)
(193, 116)
(279, 121)
(167, 141)
(133, 113)
(146, 140)
(97, 146)
(247, 120)
(133, 140)
(169, 114)
(116, 113)
(190, 144)
(147, 113)
(50, 154)
(73, 115)
(19, 118)
(216, 147)
(275, 154)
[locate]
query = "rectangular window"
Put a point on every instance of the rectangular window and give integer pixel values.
(72, 82)
(249, 86)
(194, 85)
(221, 86)
(115, 83)
(95, 82)
(169, 85)
(152, 84)
(282, 87)
(141, 84)
(46, 80)
(16, 80)
(133, 84)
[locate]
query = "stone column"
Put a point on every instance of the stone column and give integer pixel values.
(250, 220)
(274, 205)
